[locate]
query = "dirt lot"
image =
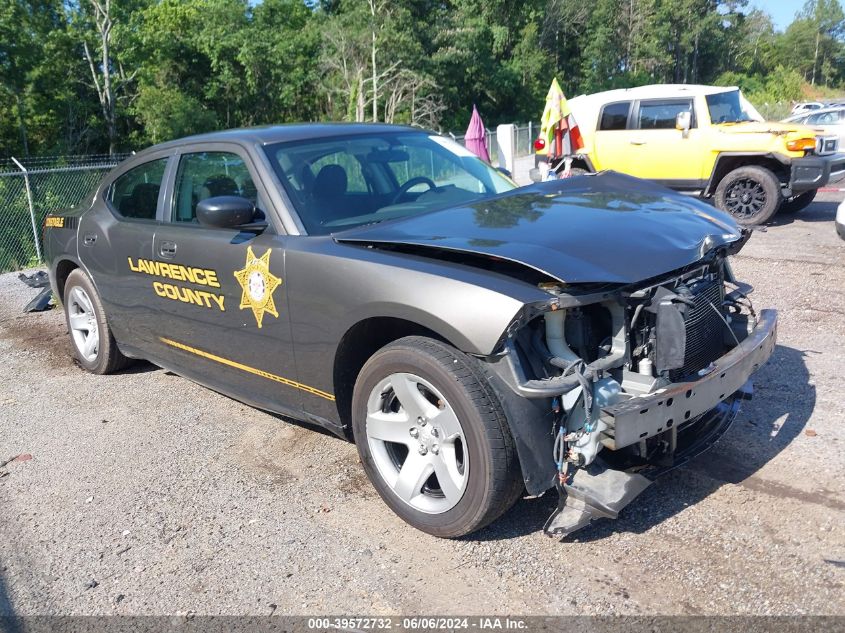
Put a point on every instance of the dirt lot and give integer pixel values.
(147, 494)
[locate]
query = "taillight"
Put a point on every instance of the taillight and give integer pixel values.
(800, 144)
(539, 145)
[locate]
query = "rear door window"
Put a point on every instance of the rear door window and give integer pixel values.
(614, 116)
(135, 193)
(661, 115)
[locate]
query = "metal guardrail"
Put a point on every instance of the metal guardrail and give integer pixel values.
(32, 188)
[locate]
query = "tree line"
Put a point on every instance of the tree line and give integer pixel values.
(84, 76)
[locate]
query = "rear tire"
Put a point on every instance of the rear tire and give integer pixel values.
(796, 203)
(93, 345)
(433, 438)
(750, 194)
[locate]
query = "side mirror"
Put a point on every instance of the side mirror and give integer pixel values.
(225, 212)
(683, 122)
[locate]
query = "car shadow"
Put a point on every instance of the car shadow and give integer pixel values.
(140, 367)
(817, 211)
(783, 402)
(9, 620)
(308, 426)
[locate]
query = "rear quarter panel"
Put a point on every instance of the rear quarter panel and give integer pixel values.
(60, 238)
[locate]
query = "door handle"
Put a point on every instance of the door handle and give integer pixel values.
(89, 239)
(167, 249)
(637, 141)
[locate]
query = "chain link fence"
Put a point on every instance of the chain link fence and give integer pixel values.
(32, 188)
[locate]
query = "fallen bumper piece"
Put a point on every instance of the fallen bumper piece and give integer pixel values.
(595, 492)
(41, 302)
(601, 492)
(36, 280)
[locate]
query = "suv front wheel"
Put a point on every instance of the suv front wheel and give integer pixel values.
(750, 194)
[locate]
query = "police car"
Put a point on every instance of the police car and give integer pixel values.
(475, 340)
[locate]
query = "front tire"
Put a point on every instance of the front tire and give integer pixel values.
(93, 345)
(433, 437)
(796, 203)
(750, 194)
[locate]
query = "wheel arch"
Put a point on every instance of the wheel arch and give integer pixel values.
(358, 344)
(726, 162)
(63, 268)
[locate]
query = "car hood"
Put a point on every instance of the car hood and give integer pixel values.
(766, 127)
(604, 228)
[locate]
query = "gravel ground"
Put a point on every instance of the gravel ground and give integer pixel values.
(147, 494)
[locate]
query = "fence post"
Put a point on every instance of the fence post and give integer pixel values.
(530, 139)
(31, 208)
(506, 146)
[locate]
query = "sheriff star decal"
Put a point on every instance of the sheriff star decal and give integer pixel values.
(258, 285)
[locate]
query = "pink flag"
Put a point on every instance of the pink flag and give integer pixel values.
(475, 139)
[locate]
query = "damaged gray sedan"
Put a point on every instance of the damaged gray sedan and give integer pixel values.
(476, 341)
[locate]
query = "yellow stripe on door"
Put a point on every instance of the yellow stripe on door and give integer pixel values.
(248, 369)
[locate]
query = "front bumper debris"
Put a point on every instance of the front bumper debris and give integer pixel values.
(600, 492)
(594, 492)
(697, 413)
(642, 417)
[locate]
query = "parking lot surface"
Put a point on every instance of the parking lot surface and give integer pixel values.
(148, 494)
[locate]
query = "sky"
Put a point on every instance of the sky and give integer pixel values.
(782, 11)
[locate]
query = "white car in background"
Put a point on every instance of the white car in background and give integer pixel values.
(840, 219)
(829, 121)
(807, 106)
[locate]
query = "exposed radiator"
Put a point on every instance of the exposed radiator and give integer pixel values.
(704, 328)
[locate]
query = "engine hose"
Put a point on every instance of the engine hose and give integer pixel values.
(567, 383)
(559, 450)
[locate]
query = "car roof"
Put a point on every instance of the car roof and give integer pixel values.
(656, 91)
(585, 108)
(268, 134)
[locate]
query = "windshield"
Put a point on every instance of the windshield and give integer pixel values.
(726, 107)
(341, 182)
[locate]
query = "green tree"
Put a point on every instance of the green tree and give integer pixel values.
(25, 33)
(827, 22)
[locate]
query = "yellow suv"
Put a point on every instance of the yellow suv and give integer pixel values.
(709, 140)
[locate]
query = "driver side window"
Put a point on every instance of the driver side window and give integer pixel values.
(207, 175)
